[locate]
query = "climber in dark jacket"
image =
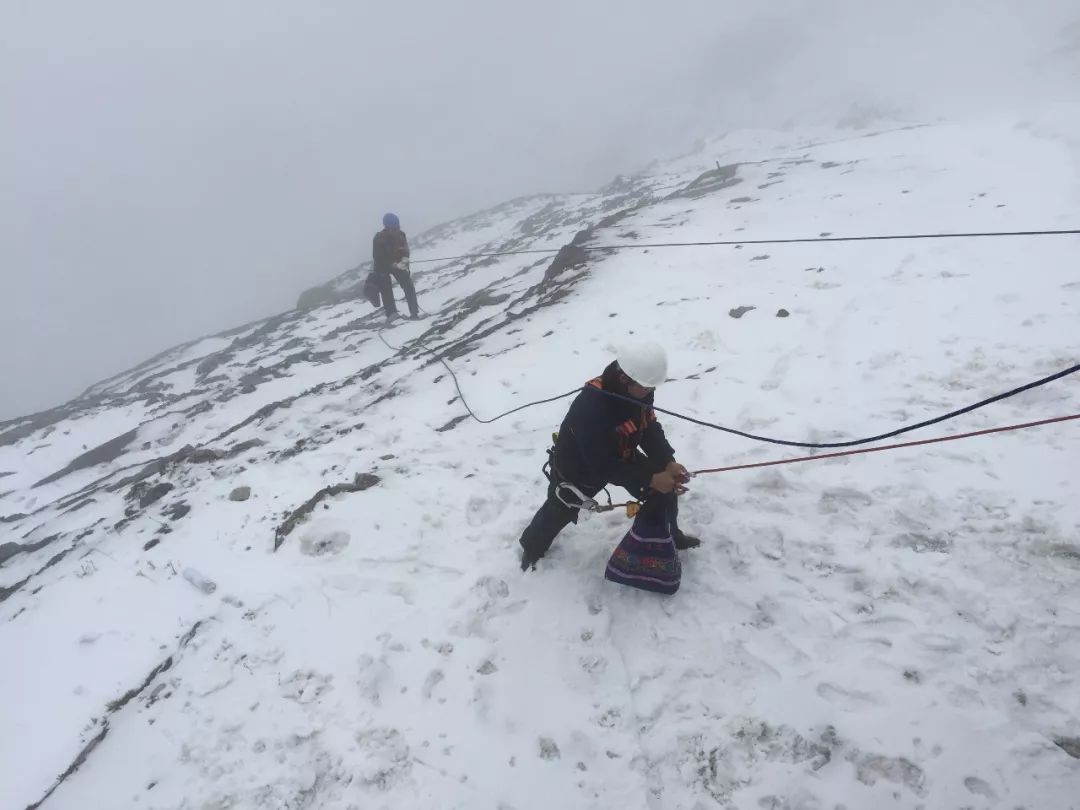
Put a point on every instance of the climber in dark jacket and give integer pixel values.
(390, 257)
(605, 440)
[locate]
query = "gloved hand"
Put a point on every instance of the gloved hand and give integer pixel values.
(664, 482)
(402, 264)
(678, 472)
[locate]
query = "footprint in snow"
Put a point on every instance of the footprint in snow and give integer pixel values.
(593, 664)
(494, 587)
(937, 642)
(305, 686)
(776, 374)
(480, 510)
(838, 498)
(373, 673)
(322, 540)
(979, 787)
(434, 678)
(851, 700)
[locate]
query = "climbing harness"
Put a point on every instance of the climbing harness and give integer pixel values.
(587, 504)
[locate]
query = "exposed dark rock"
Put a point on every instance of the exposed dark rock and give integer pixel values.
(484, 298)
(211, 362)
(102, 454)
(782, 313)
(85, 502)
(155, 494)
(760, 258)
(244, 446)
(9, 550)
(15, 430)
(111, 708)
(1070, 745)
(738, 312)
(713, 180)
(453, 423)
(361, 482)
(175, 511)
(260, 414)
(240, 494)
(151, 543)
(203, 455)
(8, 591)
(569, 257)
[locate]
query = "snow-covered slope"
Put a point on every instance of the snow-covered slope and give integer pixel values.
(895, 630)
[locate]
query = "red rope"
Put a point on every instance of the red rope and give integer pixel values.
(957, 437)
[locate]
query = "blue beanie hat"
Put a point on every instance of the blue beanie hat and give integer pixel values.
(391, 221)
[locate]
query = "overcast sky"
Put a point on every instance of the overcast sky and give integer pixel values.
(173, 169)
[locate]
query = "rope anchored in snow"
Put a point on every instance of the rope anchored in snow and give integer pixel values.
(787, 241)
(953, 438)
(787, 443)
(869, 439)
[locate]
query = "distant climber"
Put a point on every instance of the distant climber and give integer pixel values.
(606, 440)
(390, 257)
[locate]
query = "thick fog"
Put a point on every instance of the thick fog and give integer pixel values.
(170, 170)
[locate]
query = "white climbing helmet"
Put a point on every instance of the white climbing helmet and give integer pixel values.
(644, 363)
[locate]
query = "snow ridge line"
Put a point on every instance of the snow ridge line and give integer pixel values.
(114, 706)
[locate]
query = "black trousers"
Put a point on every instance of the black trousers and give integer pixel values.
(386, 290)
(554, 516)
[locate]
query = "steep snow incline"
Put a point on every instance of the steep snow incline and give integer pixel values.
(898, 630)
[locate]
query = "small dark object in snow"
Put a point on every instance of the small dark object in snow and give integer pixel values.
(240, 494)
(548, 749)
(760, 258)
(151, 543)
(828, 164)
(738, 312)
(487, 668)
(783, 313)
(1070, 745)
(912, 676)
(387, 457)
(1021, 697)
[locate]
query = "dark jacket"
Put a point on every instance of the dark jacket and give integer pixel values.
(600, 438)
(388, 248)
